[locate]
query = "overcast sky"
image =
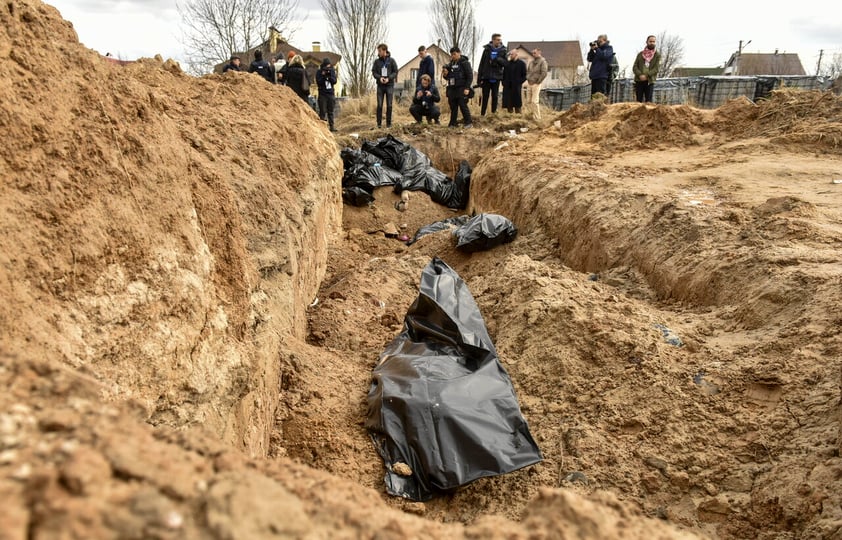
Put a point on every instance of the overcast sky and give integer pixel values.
(711, 30)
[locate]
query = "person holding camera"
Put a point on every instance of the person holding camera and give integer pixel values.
(645, 70)
(490, 71)
(600, 57)
(424, 101)
(326, 80)
(459, 75)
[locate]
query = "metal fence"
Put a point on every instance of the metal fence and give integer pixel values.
(705, 92)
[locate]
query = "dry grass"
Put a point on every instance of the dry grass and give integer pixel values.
(359, 114)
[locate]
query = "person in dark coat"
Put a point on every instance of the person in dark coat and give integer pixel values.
(296, 78)
(490, 71)
(385, 71)
(459, 75)
(600, 58)
(424, 101)
(427, 66)
(326, 80)
(514, 75)
(233, 65)
(262, 67)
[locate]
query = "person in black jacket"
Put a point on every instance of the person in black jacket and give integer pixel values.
(326, 80)
(490, 71)
(262, 67)
(424, 101)
(385, 71)
(459, 75)
(513, 78)
(296, 78)
(600, 58)
(233, 65)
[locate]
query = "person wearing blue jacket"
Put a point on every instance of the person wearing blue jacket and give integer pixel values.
(427, 66)
(326, 80)
(385, 71)
(600, 57)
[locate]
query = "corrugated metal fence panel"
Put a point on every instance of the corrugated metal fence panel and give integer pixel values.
(675, 91)
(705, 92)
(622, 90)
(713, 91)
(561, 99)
(767, 83)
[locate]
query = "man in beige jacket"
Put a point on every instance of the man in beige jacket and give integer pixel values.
(536, 72)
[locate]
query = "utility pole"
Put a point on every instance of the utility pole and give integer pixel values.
(819, 64)
(739, 54)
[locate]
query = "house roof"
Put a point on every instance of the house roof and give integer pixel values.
(557, 53)
(696, 72)
(767, 64)
(313, 58)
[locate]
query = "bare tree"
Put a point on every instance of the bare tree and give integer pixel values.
(671, 48)
(454, 22)
(832, 67)
(355, 28)
(214, 29)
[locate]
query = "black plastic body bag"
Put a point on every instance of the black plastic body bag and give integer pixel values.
(440, 401)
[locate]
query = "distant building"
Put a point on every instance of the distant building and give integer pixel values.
(277, 45)
(564, 60)
(696, 72)
(764, 64)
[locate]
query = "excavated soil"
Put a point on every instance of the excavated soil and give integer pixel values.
(191, 316)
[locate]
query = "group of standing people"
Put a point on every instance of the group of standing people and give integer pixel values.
(293, 74)
(645, 68)
(498, 68)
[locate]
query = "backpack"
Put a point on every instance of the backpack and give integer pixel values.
(613, 68)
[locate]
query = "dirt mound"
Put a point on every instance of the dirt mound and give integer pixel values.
(788, 117)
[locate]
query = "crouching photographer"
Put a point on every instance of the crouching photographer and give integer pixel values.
(424, 102)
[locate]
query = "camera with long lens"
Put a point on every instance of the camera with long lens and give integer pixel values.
(593, 44)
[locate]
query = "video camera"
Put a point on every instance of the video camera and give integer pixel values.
(593, 44)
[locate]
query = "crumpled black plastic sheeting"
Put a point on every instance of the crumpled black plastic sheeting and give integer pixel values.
(388, 161)
(449, 223)
(440, 401)
(483, 232)
(356, 196)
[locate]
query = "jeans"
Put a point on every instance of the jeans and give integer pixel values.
(387, 90)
